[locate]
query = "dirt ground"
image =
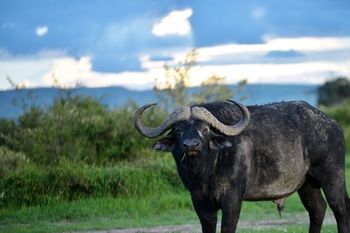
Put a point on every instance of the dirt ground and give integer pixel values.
(302, 219)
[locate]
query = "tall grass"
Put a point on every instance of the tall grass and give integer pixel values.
(100, 213)
(35, 185)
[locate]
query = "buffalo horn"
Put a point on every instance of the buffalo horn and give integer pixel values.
(229, 130)
(179, 114)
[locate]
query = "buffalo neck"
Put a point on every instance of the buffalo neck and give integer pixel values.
(198, 169)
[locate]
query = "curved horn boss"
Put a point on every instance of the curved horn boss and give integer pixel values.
(229, 130)
(185, 113)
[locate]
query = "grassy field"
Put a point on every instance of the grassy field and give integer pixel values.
(109, 213)
(162, 207)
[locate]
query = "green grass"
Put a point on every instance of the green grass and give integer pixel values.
(100, 213)
(37, 185)
(155, 210)
(159, 207)
(107, 213)
(289, 229)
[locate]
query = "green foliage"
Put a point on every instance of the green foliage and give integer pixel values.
(32, 185)
(79, 129)
(7, 126)
(128, 143)
(341, 113)
(334, 92)
(10, 161)
(53, 154)
(171, 90)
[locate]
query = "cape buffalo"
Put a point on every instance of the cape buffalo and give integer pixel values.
(226, 153)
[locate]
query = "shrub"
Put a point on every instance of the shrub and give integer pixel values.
(334, 91)
(31, 185)
(341, 113)
(7, 126)
(10, 161)
(79, 129)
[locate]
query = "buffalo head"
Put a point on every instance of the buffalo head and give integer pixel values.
(193, 129)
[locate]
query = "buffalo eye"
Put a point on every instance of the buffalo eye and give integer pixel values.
(178, 130)
(205, 129)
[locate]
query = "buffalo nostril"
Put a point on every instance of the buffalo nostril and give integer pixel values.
(185, 143)
(190, 143)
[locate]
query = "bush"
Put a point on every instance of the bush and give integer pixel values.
(79, 129)
(10, 161)
(341, 113)
(7, 126)
(31, 185)
(334, 92)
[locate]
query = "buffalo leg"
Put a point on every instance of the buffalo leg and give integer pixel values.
(314, 203)
(338, 203)
(332, 181)
(207, 216)
(231, 208)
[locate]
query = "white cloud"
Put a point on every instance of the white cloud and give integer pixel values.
(42, 68)
(70, 71)
(297, 73)
(303, 45)
(306, 72)
(175, 23)
(258, 13)
(324, 58)
(41, 31)
(28, 71)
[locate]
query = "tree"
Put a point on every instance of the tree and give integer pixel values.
(334, 92)
(24, 97)
(213, 89)
(173, 89)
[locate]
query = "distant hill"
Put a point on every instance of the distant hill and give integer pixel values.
(13, 102)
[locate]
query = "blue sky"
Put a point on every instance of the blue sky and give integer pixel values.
(105, 42)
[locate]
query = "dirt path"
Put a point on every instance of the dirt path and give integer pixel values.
(301, 219)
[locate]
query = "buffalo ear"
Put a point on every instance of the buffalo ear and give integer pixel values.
(165, 144)
(218, 142)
